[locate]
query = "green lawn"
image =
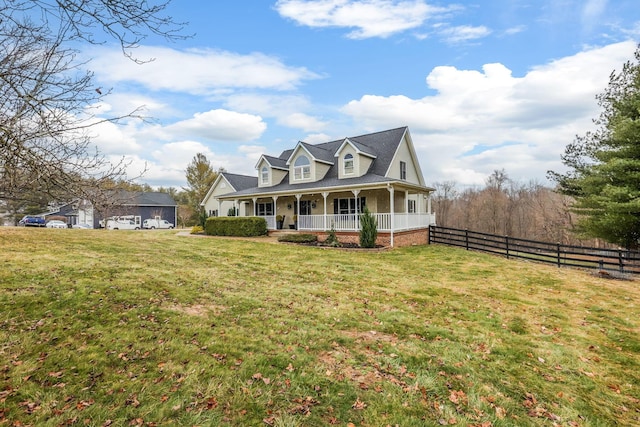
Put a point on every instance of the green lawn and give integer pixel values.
(150, 328)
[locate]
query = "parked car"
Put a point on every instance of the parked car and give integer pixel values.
(54, 223)
(122, 224)
(32, 221)
(156, 223)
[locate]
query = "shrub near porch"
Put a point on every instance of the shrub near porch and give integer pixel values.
(236, 226)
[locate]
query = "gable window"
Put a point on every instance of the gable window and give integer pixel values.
(265, 209)
(264, 174)
(348, 164)
(403, 170)
(301, 168)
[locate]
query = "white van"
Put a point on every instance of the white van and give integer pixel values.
(156, 223)
(129, 222)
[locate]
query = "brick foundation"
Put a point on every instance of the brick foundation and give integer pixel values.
(400, 238)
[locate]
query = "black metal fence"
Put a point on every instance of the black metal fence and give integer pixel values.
(603, 260)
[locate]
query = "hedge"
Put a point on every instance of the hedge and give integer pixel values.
(236, 226)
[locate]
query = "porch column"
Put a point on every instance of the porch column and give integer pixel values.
(275, 211)
(298, 197)
(236, 206)
(255, 206)
(392, 208)
(219, 207)
(355, 195)
(325, 194)
(406, 201)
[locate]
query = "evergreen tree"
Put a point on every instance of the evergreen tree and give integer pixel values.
(368, 229)
(604, 165)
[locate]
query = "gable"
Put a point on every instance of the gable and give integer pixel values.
(405, 153)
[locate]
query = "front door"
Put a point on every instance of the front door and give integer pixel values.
(305, 207)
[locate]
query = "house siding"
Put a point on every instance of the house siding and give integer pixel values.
(262, 164)
(403, 154)
(321, 170)
(222, 187)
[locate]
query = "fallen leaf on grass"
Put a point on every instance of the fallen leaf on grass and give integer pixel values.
(457, 397)
(359, 404)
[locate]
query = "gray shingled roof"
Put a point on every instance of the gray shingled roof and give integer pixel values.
(240, 182)
(154, 198)
(383, 145)
(319, 152)
(361, 147)
(276, 162)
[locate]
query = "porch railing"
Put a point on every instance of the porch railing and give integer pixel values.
(351, 222)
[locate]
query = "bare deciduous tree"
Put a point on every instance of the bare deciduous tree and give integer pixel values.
(47, 94)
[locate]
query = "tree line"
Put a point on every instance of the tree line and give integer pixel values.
(503, 206)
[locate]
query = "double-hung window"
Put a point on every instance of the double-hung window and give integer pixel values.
(348, 164)
(265, 209)
(348, 206)
(301, 168)
(264, 174)
(403, 170)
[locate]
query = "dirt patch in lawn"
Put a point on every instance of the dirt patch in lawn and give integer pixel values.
(199, 310)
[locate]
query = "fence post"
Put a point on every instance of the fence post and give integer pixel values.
(620, 263)
(466, 239)
(506, 242)
(558, 251)
(429, 235)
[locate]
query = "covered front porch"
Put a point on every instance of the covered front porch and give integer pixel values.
(395, 208)
(351, 222)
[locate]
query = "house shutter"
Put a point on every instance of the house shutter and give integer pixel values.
(335, 206)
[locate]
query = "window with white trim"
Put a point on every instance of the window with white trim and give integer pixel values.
(403, 170)
(264, 174)
(348, 164)
(265, 209)
(348, 206)
(412, 206)
(301, 168)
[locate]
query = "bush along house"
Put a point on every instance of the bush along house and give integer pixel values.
(318, 188)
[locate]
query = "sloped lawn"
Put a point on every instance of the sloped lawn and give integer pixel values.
(141, 328)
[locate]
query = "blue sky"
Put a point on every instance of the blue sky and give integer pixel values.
(482, 85)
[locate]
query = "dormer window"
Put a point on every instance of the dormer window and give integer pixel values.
(264, 175)
(348, 164)
(301, 168)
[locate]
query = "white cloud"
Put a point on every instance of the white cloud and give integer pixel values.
(196, 71)
(463, 33)
(111, 138)
(302, 121)
(216, 125)
(371, 18)
(521, 123)
(288, 110)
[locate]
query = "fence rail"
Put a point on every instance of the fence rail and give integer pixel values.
(605, 260)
